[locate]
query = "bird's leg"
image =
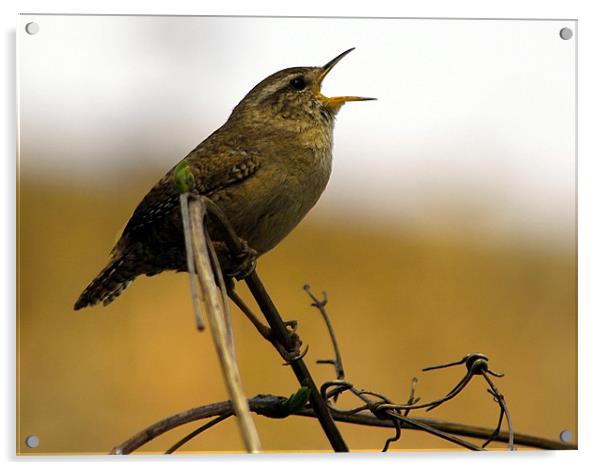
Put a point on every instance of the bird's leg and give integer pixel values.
(239, 265)
(265, 331)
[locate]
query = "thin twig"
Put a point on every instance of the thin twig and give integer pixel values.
(196, 432)
(321, 306)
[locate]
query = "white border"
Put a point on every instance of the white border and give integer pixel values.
(590, 236)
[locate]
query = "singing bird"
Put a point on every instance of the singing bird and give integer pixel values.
(265, 168)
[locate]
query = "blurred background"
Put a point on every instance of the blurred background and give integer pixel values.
(448, 226)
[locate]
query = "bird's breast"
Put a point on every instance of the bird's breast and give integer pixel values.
(268, 205)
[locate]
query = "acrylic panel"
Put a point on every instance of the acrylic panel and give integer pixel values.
(448, 226)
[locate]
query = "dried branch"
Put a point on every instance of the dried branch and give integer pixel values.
(271, 406)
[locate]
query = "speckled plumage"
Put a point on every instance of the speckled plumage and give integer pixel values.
(265, 167)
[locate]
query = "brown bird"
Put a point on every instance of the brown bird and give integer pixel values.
(265, 168)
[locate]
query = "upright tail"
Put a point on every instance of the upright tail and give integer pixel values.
(107, 286)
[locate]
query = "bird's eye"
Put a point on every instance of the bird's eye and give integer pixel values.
(298, 83)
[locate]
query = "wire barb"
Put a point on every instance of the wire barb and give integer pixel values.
(383, 408)
(395, 438)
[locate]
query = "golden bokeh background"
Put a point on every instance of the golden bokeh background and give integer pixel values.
(448, 226)
(399, 300)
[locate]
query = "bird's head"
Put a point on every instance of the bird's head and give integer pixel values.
(292, 98)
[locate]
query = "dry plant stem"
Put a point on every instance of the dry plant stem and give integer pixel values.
(194, 288)
(268, 404)
(217, 321)
(282, 335)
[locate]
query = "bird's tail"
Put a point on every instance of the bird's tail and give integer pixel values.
(107, 286)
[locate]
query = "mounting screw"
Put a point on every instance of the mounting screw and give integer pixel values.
(566, 436)
(32, 28)
(32, 441)
(566, 33)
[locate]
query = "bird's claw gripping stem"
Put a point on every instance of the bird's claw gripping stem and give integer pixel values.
(292, 353)
(289, 355)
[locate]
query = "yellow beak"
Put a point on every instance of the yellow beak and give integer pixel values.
(336, 101)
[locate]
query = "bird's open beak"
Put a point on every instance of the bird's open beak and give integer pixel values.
(336, 101)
